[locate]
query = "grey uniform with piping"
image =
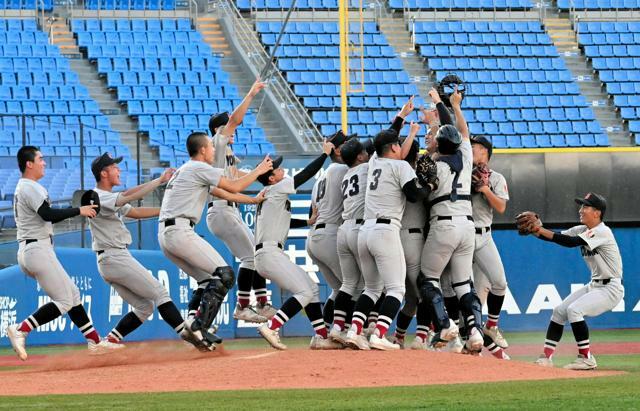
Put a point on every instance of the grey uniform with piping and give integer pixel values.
(411, 235)
(36, 256)
(116, 265)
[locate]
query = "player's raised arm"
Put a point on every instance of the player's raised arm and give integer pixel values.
(143, 212)
(236, 118)
(237, 197)
(139, 192)
(461, 123)
(313, 167)
(238, 185)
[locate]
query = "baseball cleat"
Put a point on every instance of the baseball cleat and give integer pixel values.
(248, 314)
(381, 343)
(266, 310)
(475, 342)
(419, 344)
(544, 361)
(582, 363)
(320, 343)
(357, 341)
(103, 347)
(272, 337)
(195, 339)
(399, 341)
(18, 341)
(454, 346)
(450, 332)
(496, 336)
(500, 354)
(337, 335)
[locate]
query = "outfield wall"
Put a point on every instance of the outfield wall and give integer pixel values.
(540, 274)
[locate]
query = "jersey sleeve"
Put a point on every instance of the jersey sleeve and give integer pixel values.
(500, 187)
(285, 186)
(595, 237)
(210, 175)
(405, 172)
(32, 196)
(124, 210)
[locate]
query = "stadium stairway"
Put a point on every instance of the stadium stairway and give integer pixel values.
(60, 34)
(559, 28)
(212, 34)
(395, 29)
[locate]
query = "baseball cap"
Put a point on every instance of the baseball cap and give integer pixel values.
(484, 142)
(338, 138)
(593, 200)
(218, 120)
(368, 146)
(264, 178)
(100, 162)
(385, 137)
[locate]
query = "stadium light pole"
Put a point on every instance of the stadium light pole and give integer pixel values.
(343, 22)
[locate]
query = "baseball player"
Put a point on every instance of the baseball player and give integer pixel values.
(391, 181)
(354, 183)
(489, 193)
(117, 267)
(36, 257)
(450, 240)
(184, 199)
(323, 237)
(605, 290)
(224, 219)
(273, 220)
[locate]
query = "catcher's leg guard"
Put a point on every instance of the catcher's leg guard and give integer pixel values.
(433, 295)
(471, 309)
(212, 297)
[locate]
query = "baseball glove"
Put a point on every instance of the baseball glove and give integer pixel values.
(90, 197)
(528, 222)
(427, 171)
(480, 177)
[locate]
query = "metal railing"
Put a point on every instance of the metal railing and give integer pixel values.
(307, 133)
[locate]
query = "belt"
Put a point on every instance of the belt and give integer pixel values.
(359, 221)
(34, 240)
(482, 230)
(229, 203)
(172, 221)
(319, 226)
(448, 217)
(415, 231)
(261, 245)
(603, 282)
(102, 251)
(383, 221)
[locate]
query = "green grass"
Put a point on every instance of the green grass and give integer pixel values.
(616, 392)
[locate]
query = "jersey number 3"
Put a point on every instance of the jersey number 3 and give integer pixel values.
(376, 176)
(355, 188)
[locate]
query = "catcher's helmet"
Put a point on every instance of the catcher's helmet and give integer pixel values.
(448, 139)
(447, 86)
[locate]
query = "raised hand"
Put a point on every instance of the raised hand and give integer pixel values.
(166, 175)
(327, 147)
(435, 97)
(265, 165)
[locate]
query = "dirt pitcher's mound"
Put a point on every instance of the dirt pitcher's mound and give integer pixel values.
(156, 368)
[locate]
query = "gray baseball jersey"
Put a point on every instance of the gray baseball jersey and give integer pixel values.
(107, 228)
(415, 215)
(28, 197)
(601, 252)
(274, 213)
(384, 197)
(449, 208)
(354, 188)
(188, 189)
(328, 197)
(224, 157)
(482, 211)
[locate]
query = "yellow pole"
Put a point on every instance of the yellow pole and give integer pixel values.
(344, 60)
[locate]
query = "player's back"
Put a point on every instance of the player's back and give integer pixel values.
(354, 189)
(328, 197)
(445, 186)
(384, 197)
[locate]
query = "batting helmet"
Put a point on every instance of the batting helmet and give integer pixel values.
(447, 86)
(448, 139)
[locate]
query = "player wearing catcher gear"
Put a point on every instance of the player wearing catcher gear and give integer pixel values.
(489, 193)
(273, 220)
(451, 233)
(391, 181)
(36, 256)
(115, 264)
(184, 200)
(224, 219)
(605, 290)
(354, 185)
(323, 237)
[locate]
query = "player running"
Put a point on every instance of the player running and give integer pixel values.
(36, 256)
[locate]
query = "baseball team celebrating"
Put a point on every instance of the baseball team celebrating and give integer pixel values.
(396, 233)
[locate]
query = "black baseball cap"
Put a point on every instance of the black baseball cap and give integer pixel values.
(337, 139)
(368, 146)
(218, 120)
(593, 200)
(264, 178)
(484, 142)
(100, 162)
